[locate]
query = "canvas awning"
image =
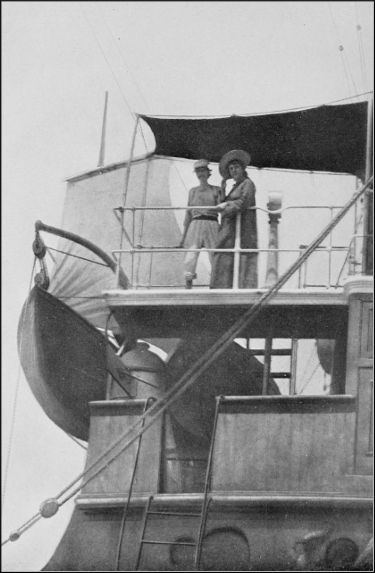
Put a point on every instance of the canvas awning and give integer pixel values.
(326, 138)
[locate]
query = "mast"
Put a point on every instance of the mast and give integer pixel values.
(104, 125)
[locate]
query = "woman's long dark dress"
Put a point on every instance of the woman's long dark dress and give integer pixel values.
(239, 199)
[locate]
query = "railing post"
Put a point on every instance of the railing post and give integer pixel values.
(237, 246)
(367, 257)
(331, 214)
(274, 204)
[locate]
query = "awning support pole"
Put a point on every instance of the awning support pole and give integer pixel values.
(128, 167)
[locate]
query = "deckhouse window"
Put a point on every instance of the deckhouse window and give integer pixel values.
(299, 366)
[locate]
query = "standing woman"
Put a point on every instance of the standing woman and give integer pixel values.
(242, 196)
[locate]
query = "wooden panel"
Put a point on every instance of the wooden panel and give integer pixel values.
(109, 420)
(360, 377)
(287, 451)
(364, 442)
(366, 330)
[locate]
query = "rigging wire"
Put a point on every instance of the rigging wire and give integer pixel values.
(78, 257)
(15, 403)
(307, 366)
(107, 61)
(309, 379)
(126, 66)
(360, 46)
(128, 106)
(51, 255)
(14, 536)
(76, 441)
(348, 75)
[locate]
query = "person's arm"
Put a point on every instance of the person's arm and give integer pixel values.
(221, 196)
(222, 189)
(247, 195)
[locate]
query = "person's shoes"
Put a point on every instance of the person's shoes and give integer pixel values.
(188, 283)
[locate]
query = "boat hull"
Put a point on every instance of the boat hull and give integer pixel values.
(64, 361)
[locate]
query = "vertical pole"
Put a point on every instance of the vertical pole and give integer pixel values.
(267, 362)
(102, 139)
(293, 367)
(272, 272)
(128, 167)
(352, 252)
(237, 246)
(133, 243)
(330, 250)
(367, 262)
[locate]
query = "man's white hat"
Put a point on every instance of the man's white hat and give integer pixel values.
(201, 163)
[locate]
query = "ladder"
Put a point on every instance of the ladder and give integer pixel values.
(148, 402)
(202, 515)
(268, 352)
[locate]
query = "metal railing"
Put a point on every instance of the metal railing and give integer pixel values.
(137, 250)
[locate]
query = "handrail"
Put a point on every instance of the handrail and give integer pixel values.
(213, 208)
(140, 249)
(327, 250)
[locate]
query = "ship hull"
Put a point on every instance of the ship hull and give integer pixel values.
(243, 532)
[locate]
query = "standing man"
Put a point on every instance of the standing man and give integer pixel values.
(200, 225)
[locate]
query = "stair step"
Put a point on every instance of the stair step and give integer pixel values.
(151, 542)
(174, 513)
(274, 352)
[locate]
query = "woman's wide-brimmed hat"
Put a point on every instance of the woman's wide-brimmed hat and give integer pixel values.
(239, 155)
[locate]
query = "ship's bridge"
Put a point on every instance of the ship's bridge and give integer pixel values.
(312, 295)
(309, 308)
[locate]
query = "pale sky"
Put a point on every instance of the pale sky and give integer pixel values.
(190, 58)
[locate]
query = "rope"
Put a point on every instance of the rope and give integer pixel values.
(347, 73)
(14, 406)
(77, 257)
(24, 527)
(106, 60)
(309, 379)
(127, 69)
(360, 46)
(76, 441)
(51, 255)
(193, 373)
(307, 365)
